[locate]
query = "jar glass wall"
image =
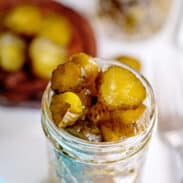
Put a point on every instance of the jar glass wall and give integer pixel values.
(73, 160)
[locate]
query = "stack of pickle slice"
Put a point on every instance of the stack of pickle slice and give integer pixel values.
(94, 104)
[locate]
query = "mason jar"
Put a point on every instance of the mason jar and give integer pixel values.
(74, 160)
(133, 19)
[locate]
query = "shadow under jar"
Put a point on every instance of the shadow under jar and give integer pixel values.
(74, 160)
(133, 19)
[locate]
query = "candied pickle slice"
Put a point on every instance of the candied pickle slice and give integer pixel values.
(12, 56)
(128, 116)
(66, 109)
(115, 130)
(58, 109)
(110, 131)
(130, 61)
(24, 19)
(114, 110)
(119, 88)
(46, 56)
(66, 77)
(89, 70)
(74, 101)
(97, 113)
(56, 28)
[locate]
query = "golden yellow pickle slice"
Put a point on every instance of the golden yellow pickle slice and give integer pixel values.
(46, 56)
(66, 109)
(12, 52)
(67, 77)
(98, 113)
(115, 130)
(119, 88)
(131, 130)
(56, 28)
(58, 109)
(74, 101)
(24, 19)
(110, 131)
(128, 116)
(89, 70)
(130, 61)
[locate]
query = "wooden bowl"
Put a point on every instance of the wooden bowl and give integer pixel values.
(21, 88)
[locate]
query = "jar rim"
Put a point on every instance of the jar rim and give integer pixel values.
(104, 145)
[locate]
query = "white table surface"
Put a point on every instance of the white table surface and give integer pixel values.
(23, 155)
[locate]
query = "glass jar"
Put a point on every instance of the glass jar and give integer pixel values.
(133, 19)
(74, 160)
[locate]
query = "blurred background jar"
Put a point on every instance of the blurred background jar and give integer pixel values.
(134, 19)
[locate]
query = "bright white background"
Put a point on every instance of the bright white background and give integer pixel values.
(23, 155)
